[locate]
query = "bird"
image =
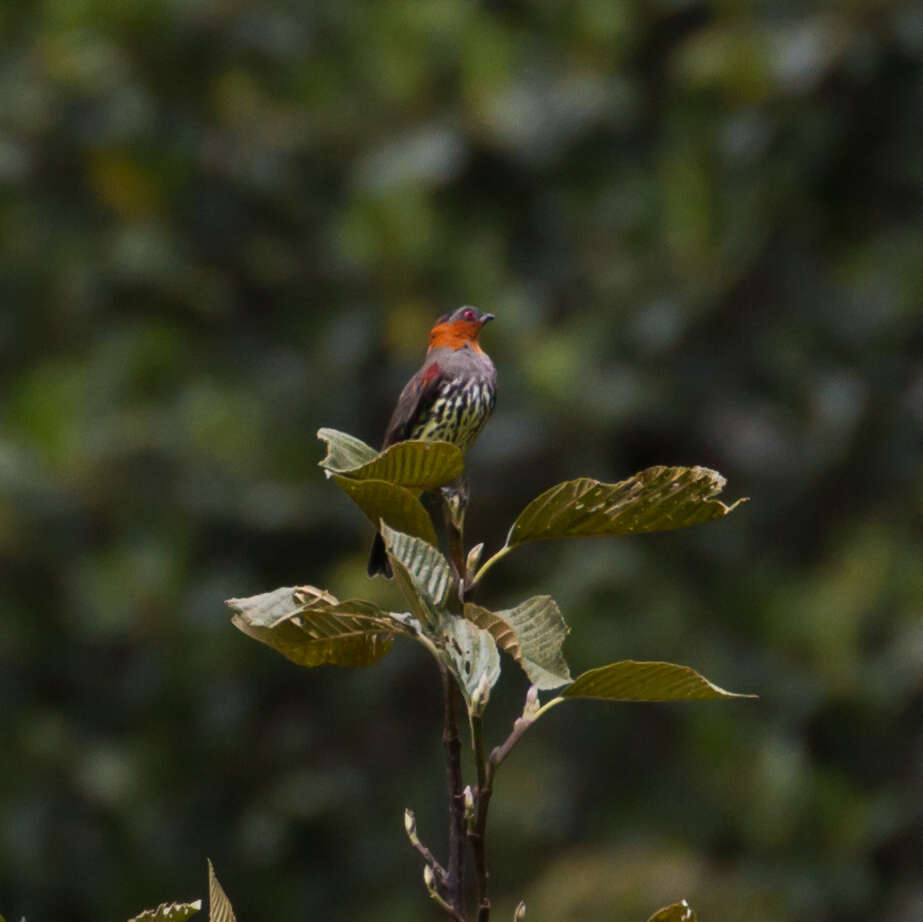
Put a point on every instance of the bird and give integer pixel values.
(449, 399)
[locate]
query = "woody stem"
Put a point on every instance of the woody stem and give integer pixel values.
(455, 504)
(477, 832)
(455, 871)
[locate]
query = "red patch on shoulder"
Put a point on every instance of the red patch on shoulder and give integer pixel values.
(431, 373)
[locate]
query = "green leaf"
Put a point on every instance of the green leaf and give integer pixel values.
(471, 654)
(344, 452)
(414, 464)
(219, 906)
(397, 506)
(311, 627)
(656, 499)
(533, 634)
(169, 912)
(677, 912)
(421, 571)
(639, 681)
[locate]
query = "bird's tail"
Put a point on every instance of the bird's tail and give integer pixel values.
(378, 559)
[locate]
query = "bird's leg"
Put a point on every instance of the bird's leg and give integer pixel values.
(455, 505)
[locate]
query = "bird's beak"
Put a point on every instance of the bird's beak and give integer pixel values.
(486, 317)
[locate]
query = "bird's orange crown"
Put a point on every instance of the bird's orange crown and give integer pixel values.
(459, 329)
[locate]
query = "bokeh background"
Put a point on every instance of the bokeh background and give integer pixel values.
(224, 224)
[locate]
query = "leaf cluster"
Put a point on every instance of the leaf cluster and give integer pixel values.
(311, 627)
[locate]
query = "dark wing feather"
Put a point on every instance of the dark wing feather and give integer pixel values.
(418, 395)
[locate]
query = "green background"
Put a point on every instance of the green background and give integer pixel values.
(224, 225)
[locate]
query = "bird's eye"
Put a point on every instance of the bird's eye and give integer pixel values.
(468, 315)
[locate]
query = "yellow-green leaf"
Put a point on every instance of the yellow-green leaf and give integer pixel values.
(533, 634)
(656, 499)
(421, 571)
(645, 681)
(414, 464)
(676, 912)
(311, 627)
(168, 912)
(396, 505)
(219, 906)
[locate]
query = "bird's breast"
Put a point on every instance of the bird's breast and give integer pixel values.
(459, 412)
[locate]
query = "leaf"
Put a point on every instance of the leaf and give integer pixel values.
(219, 906)
(677, 912)
(471, 654)
(656, 499)
(168, 912)
(312, 627)
(344, 452)
(421, 571)
(413, 464)
(397, 506)
(639, 681)
(533, 634)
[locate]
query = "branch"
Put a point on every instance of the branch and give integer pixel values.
(454, 881)
(477, 834)
(410, 827)
(432, 888)
(486, 771)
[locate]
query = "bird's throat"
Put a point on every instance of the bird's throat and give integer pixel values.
(455, 335)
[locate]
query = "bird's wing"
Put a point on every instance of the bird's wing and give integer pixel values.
(416, 398)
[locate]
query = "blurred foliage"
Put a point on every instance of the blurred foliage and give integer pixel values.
(223, 225)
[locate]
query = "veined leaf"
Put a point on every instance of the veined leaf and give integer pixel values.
(639, 681)
(421, 571)
(471, 654)
(168, 912)
(219, 906)
(397, 506)
(344, 451)
(656, 499)
(311, 627)
(532, 633)
(414, 464)
(677, 912)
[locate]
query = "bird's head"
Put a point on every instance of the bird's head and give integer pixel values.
(458, 329)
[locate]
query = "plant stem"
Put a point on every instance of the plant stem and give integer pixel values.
(489, 563)
(428, 857)
(486, 772)
(478, 835)
(455, 871)
(454, 505)
(520, 726)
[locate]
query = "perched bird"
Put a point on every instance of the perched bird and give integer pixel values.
(449, 399)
